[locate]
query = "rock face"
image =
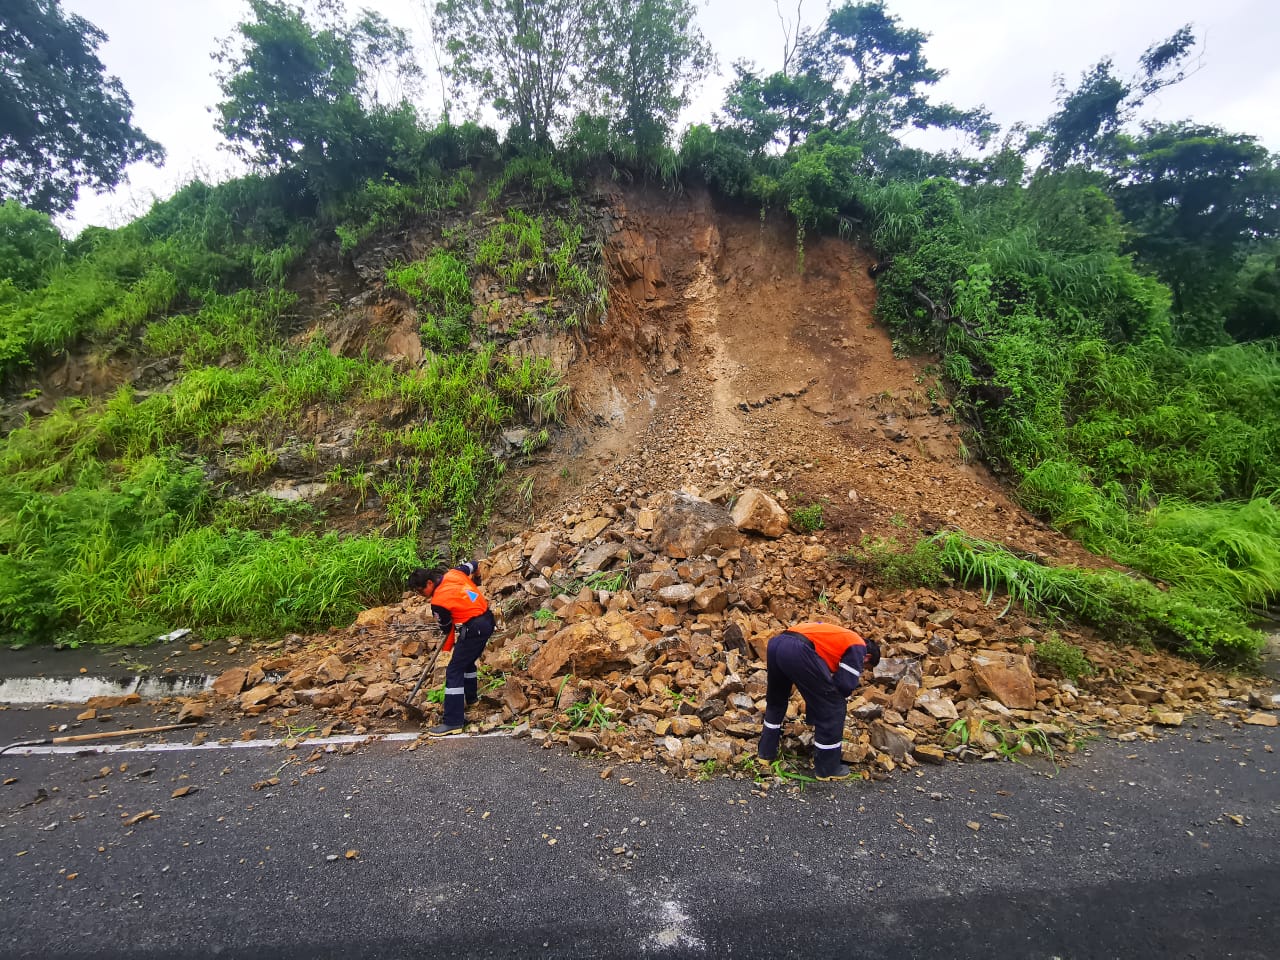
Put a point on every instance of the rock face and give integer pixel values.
(757, 512)
(1007, 677)
(686, 526)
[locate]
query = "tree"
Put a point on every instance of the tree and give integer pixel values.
(30, 245)
(1199, 200)
(651, 53)
(530, 59)
(64, 124)
(861, 76)
(309, 96)
(1090, 118)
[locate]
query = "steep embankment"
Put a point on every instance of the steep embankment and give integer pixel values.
(721, 362)
(634, 609)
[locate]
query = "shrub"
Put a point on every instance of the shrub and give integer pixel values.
(886, 561)
(1068, 659)
(807, 519)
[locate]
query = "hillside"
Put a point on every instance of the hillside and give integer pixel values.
(634, 613)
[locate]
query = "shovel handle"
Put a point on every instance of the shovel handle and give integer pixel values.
(120, 733)
(82, 737)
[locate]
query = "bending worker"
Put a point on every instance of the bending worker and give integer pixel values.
(825, 662)
(467, 623)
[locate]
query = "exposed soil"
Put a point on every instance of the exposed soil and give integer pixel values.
(722, 352)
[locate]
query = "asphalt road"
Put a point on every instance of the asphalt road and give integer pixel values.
(492, 847)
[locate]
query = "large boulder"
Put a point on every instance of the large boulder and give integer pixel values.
(1006, 676)
(686, 526)
(588, 647)
(757, 512)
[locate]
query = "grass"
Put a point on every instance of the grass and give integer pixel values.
(891, 564)
(1199, 624)
(109, 532)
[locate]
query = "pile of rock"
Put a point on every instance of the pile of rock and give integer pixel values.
(637, 629)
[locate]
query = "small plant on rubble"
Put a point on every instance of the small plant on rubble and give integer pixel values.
(807, 519)
(612, 582)
(590, 713)
(544, 615)
(1012, 743)
(707, 770)
(1068, 659)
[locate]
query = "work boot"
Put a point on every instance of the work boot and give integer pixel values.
(444, 729)
(769, 739)
(827, 765)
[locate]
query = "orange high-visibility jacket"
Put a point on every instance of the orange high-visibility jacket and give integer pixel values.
(830, 642)
(455, 601)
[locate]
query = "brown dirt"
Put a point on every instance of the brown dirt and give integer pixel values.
(721, 354)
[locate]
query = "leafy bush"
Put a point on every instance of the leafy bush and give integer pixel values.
(887, 562)
(807, 519)
(1068, 659)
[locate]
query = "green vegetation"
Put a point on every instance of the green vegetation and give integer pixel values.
(889, 563)
(1011, 743)
(807, 519)
(1104, 297)
(590, 713)
(1200, 619)
(66, 124)
(1068, 659)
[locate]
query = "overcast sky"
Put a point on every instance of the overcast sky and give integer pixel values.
(1001, 53)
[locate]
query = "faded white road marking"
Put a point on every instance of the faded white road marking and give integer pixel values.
(54, 749)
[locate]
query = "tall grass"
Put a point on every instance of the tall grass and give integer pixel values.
(1187, 618)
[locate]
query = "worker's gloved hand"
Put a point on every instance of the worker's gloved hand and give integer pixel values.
(873, 655)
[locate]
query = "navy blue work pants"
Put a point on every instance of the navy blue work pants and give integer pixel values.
(792, 661)
(461, 678)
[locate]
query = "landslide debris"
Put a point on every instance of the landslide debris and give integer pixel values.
(636, 632)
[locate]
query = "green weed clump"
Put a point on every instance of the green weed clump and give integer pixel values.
(439, 283)
(524, 250)
(807, 519)
(1068, 659)
(895, 566)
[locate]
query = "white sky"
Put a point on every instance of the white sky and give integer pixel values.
(1001, 53)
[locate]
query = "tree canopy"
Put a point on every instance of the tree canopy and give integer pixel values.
(64, 124)
(306, 95)
(530, 59)
(861, 77)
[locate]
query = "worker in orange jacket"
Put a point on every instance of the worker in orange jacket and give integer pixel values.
(467, 622)
(826, 663)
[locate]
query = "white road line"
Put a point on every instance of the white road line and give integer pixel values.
(55, 749)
